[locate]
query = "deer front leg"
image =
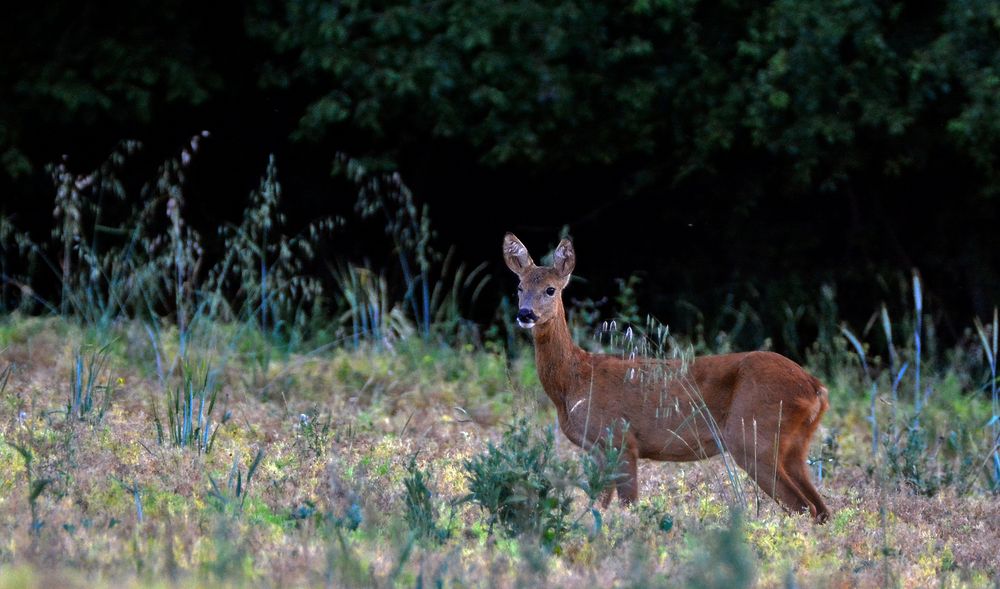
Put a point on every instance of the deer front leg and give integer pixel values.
(598, 452)
(625, 478)
(606, 496)
(628, 481)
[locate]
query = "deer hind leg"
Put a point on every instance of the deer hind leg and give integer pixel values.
(756, 457)
(794, 462)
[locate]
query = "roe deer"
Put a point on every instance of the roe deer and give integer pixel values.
(763, 407)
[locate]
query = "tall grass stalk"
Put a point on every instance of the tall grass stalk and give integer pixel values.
(261, 281)
(895, 400)
(408, 226)
(918, 302)
(5, 377)
(136, 492)
(893, 356)
(887, 330)
(990, 350)
(860, 350)
(184, 243)
(68, 212)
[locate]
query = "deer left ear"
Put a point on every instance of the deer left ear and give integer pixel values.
(564, 258)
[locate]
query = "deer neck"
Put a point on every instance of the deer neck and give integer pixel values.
(557, 359)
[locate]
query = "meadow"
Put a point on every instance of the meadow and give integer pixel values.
(164, 423)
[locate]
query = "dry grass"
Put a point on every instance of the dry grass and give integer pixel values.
(295, 525)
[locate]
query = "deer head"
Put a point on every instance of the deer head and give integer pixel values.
(539, 294)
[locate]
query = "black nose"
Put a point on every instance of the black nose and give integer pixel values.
(526, 316)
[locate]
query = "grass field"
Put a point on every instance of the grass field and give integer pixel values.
(350, 467)
(167, 421)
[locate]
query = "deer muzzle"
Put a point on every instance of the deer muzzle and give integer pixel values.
(526, 318)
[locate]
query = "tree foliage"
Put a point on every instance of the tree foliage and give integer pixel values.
(825, 90)
(71, 69)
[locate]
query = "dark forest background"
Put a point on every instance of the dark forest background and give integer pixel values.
(731, 155)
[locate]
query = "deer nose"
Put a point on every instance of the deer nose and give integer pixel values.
(526, 315)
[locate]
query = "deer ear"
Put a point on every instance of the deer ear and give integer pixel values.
(564, 258)
(516, 255)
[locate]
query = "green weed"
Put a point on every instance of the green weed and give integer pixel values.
(189, 411)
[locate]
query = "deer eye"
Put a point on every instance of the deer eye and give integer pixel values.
(520, 288)
(551, 291)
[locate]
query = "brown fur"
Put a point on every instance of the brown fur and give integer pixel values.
(653, 408)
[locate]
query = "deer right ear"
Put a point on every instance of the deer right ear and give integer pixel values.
(516, 255)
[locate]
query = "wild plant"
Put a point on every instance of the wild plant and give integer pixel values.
(180, 253)
(231, 560)
(344, 567)
(725, 561)
(907, 451)
(409, 228)
(35, 487)
(450, 300)
(135, 490)
(918, 316)
(364, 296)
(626, 300)
(828, 353)
(314, 432)
(111, 264)
(189, 411)
(232, 497)
(263, 273)
(91, 272)
(926, 463)
(829, 453)
(79, 199)
(522, 486)
(990, 351)
(600, 473)
(434, 286)
(91, 386)
(527, 490)
(421, 511)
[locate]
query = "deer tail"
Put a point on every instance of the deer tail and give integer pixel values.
(823, 395)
